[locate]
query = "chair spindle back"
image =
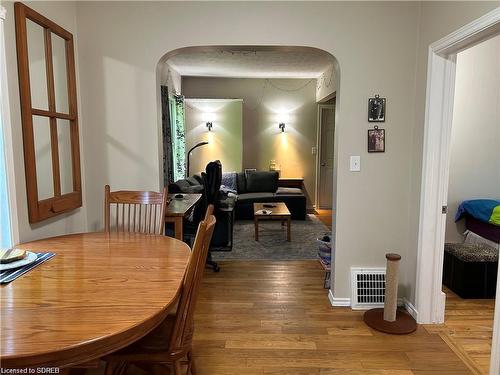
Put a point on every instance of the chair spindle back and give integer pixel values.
(134, 211)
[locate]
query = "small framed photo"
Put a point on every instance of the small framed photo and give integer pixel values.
(376, 140)
(376, 109)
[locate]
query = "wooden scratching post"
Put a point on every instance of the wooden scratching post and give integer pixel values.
(390, 319)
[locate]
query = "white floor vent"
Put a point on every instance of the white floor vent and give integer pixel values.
(368, 288)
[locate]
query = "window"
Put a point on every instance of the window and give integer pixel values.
(47, 82)
(5, 228)
(5, 237)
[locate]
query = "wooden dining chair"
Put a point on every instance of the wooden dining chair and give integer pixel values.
(134, 211)
(170, 344)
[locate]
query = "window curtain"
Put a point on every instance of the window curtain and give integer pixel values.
(178, 134)
(5, 228)
(168, 174)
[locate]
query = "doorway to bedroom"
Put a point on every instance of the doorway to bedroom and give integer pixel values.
(472, 230)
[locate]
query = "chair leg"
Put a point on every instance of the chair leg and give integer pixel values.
(113, 368)
(160, 370)
(177, 368)
(191, 365)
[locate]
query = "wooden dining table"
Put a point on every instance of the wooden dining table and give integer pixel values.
(99, 293)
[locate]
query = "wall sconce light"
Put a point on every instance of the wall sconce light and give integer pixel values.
(282, 119)
(209, 120)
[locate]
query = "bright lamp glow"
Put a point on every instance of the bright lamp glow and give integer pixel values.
(284, 117)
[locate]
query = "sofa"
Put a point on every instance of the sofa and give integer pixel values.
(251, 187)
(262, 187)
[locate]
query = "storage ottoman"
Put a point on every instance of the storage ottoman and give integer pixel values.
(470, 270)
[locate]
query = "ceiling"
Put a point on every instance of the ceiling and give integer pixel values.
(251, 62)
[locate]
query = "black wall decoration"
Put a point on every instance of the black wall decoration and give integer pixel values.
(376, 140)
(376, 109)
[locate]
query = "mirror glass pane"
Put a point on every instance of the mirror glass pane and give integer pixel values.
(65, 159)
(37, 67)
(43, 157)
(60, 76)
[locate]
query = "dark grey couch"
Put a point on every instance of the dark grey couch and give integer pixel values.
(252, 187)
(262, 187)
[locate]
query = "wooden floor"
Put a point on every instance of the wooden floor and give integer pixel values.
(275, 318)
(468, 329)
(325, 216)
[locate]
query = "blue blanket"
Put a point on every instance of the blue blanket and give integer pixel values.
(486, 210)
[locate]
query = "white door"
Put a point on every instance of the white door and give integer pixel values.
(327, 130)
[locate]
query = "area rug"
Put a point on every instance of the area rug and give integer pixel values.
(272, 244)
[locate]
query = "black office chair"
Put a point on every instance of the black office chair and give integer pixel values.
(212, 179)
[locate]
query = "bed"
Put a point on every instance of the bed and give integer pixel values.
(488, 231)
(470, 268)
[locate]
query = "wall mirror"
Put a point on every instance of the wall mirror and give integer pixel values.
(47, 85)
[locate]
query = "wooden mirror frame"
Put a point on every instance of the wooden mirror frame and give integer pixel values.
(59, 203)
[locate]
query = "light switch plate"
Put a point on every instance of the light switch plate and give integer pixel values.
(355, 164)
(314, 150)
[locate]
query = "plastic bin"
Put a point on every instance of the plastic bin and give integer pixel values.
(325, 250)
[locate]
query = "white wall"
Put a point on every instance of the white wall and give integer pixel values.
(475, 137)
(225, 138)
(264, 104)
(64, 14)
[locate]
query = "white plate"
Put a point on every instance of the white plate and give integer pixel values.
(28, 259)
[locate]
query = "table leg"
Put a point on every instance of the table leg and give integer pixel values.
(256, 223)
(288, 229)
(178, 225)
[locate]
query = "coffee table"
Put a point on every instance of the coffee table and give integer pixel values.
(278, 212)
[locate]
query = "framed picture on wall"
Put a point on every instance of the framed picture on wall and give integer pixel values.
(376, 109)
(376, 140)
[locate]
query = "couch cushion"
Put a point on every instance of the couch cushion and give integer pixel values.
(241, 183)
(288, 191)
(192, 181)
(198, 178)
(255, 197)
(182, 184)
(195, 189)
(260, 181)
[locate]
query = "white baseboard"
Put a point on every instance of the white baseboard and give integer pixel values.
(346, 302)
(338, 302)
(411, 309)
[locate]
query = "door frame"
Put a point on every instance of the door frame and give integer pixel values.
(318, 152)
(430, 300)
